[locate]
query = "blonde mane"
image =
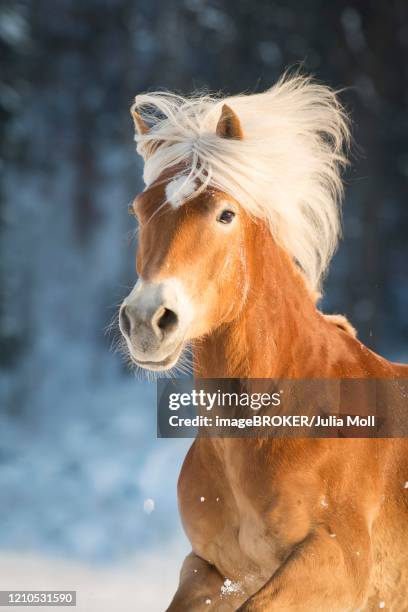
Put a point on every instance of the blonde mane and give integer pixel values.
(285, 170)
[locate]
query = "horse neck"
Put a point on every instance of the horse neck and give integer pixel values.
(277, 329)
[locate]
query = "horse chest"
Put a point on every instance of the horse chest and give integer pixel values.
(236, 539)
(243, 529)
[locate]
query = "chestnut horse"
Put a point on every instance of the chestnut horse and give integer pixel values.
(238, 222)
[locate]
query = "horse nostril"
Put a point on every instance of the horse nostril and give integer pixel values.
(167, 321)
(124, 321)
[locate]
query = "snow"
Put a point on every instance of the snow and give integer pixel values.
(323, 502)
(126, 586)
(148, 506)
(229, 587)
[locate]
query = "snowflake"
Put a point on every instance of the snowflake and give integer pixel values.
(208, 602)
(230, 587)
(148, 506)
(323, 502)
(381, 604)
(202, 499)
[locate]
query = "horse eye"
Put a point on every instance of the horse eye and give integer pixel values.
(226, 216)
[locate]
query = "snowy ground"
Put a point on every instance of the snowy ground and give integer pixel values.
(145, 584)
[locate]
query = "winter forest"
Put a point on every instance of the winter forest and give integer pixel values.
(87, 491)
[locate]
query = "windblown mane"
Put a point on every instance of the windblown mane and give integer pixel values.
(285, 170)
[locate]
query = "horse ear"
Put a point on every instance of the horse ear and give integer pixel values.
(140, 125)
(228, 125)
(141, 128)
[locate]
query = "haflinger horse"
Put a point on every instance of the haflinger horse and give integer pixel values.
(237, 225)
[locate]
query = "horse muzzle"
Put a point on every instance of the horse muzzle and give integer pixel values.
(154, 319)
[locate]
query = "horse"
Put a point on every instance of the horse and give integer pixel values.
(237, 225)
